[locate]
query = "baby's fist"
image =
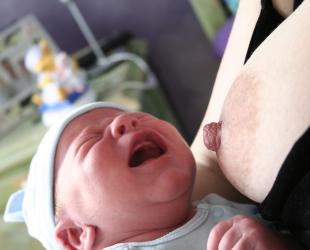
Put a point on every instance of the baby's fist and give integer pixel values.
(243, 233)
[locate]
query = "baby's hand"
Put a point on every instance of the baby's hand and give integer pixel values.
(243, 233)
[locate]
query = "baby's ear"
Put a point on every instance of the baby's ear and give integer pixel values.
(73, 237)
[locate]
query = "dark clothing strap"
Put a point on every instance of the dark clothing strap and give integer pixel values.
(268, 20)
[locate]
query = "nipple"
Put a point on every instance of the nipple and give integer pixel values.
(212, 135)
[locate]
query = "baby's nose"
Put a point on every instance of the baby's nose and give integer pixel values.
(123, 124)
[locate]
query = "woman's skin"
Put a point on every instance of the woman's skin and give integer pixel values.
(256, 113)
(231, 65)
(266, 109)
(261, 124)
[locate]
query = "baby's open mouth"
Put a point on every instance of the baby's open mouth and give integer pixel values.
(145, 151)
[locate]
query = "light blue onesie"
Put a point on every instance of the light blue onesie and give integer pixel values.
(194, 234)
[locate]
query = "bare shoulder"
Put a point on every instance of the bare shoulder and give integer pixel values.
(284, 7)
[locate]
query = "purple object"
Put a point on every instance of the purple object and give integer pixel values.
(221, 38)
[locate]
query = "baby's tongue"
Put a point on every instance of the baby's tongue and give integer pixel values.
(212, 135)
(144, 152)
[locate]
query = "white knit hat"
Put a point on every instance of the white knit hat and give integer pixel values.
(34, 204)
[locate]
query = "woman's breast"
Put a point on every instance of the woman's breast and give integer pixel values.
(237, 151)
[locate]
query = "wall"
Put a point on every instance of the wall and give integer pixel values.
(178, 50)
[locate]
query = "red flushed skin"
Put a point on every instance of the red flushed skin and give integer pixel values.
(212, 135)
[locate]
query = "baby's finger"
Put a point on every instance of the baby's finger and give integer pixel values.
(217, 233)
(244, 244)
(230, 238)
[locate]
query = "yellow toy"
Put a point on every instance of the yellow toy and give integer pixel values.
(60, 81)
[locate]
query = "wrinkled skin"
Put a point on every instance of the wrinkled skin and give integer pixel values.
(244, 233)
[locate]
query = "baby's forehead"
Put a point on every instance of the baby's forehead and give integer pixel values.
(89, 118)
(92, 117)
(75, 126)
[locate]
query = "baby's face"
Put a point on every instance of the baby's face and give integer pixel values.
(121, 168)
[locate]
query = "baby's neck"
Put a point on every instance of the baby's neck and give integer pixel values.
(149, 235)
(155, 234)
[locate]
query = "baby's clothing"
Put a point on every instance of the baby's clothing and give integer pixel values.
(194, 234)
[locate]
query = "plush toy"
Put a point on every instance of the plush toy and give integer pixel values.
(61, 84)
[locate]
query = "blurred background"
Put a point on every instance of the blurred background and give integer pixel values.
(156, 56)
